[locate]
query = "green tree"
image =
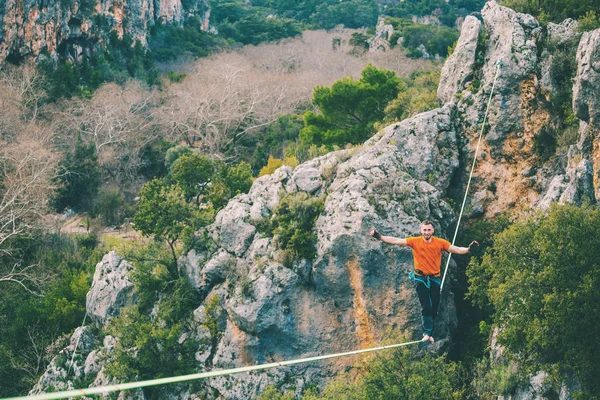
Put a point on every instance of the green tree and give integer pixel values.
(541, 278)
(193, 173)
(163, 213)
(349, 108)
(351, 14)
(228, 182)
(148, 349)
(435, 39)
(174, 153)
(554, 10)
(421, 95)
(78, 178)
(111, 206)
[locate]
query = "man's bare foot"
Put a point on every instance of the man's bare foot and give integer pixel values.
(426, 338)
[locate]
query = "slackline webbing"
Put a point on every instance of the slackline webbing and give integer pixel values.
(176, 379)
(76, 344)
(103, 390)
(462, 208)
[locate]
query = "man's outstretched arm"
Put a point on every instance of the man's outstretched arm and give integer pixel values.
(388, 239)
(462, 250)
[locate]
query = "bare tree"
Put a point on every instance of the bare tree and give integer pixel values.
(223, 102)
(26, 171)
(118, 120)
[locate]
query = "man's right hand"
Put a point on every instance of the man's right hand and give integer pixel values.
(375, 233)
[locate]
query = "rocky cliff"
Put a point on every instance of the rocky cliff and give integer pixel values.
(356, 289)
(30, 28)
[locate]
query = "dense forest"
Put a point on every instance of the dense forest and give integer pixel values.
(120, 151)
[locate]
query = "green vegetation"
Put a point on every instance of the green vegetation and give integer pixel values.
(557, 10)
(435, 39)
(293, 224)
(174, 207)
(279, 135)
(396, 374)
(562, 131)
(61, 269)
(445, 11)
(78, 178)
(163, 213)
(420, 95)
(541, 284)
(150, 338)
(350, 108)
(119, 60)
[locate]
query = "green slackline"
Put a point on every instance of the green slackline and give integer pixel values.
(103, 390)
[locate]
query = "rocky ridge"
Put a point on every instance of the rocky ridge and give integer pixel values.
(30, 29)
(357, 289)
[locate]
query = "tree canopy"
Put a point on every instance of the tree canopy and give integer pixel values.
(349, 108)
(541, 277)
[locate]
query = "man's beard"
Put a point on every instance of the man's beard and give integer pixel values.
(427, 237)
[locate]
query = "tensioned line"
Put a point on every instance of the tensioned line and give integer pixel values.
(176, 379)
(462, 208)
(103, 390)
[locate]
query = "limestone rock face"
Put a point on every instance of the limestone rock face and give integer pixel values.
(458, 68)
(511, 39)
(111, 288)
(356, 288)
(586, 89)
(55, 376)
(29, 28)
(565, 34)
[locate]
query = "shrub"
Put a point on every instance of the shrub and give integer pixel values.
(294, 223)
(589, 22)
(111, 206)
(78, 178)
(397, 374)
(147, 349)
(436, 39)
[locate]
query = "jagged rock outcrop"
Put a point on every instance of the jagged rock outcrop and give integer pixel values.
(55, 376)
(563, 35)
(383, 33)
(29, 29)
(459, 67)
(586, 102)
(356, 288)
(521, 113)
(111, 289)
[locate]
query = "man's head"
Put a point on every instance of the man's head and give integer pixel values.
(427, 229)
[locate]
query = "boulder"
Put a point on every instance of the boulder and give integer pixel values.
(111, 289)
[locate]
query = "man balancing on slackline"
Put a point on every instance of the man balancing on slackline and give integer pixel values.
(427, 253)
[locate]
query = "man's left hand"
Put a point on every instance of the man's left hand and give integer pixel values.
(474, 242)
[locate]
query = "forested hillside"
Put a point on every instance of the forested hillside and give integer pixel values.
(148, 139)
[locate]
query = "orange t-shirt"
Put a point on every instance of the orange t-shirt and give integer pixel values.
(428, 256)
